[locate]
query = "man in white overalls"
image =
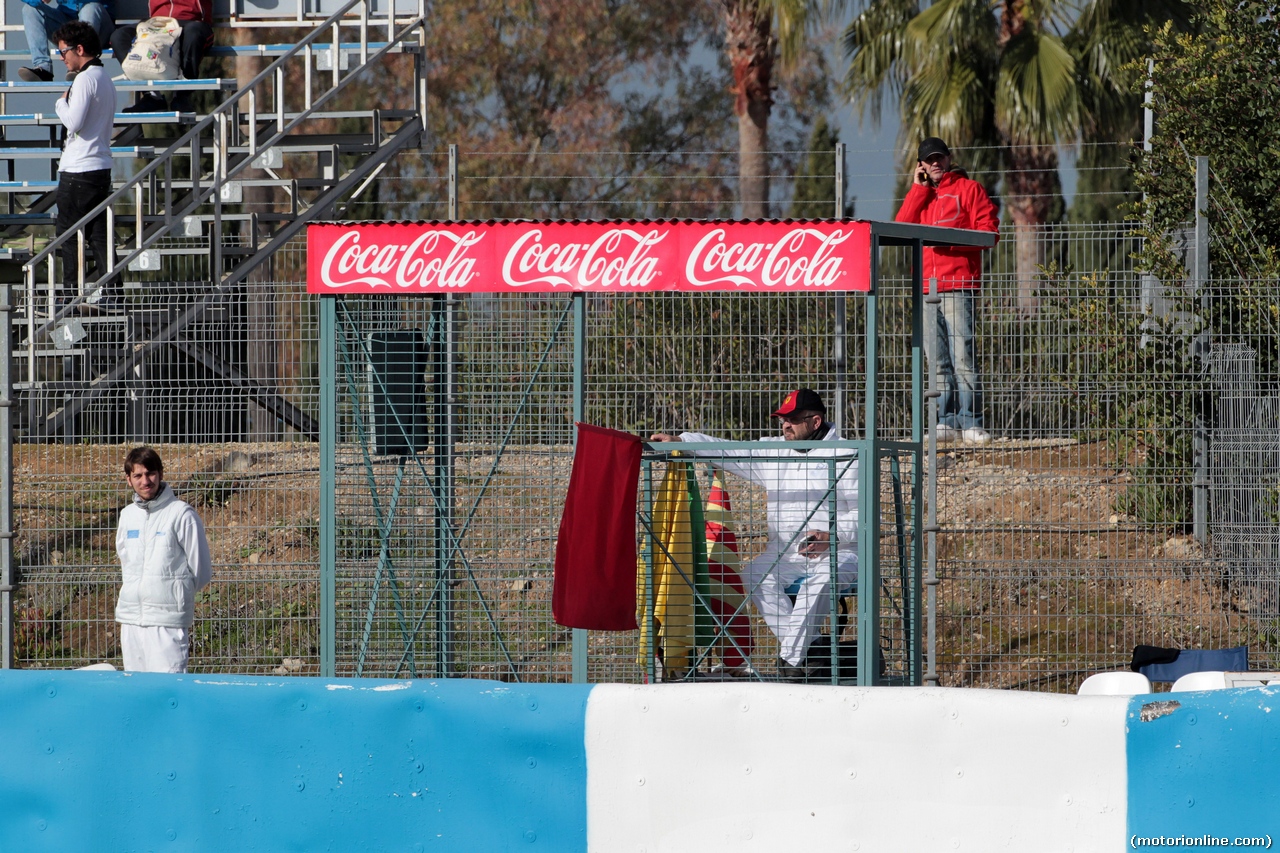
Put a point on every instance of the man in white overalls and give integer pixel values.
(798, 483)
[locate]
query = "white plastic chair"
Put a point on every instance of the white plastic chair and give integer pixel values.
(1121, 683)
(1205, 680)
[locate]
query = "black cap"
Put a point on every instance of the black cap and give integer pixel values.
(801, 400)
(930, 146)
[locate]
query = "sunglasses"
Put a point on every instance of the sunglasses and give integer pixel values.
(797, 419)
(63, 51)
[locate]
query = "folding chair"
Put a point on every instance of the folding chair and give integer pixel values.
(1197, 660)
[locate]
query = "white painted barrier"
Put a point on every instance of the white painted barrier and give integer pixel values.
(777, 767)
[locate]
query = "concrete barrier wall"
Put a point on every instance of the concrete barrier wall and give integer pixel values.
(115, 761)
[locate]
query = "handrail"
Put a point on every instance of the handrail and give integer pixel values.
(198, 198)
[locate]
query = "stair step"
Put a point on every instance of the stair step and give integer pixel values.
(52, 120)
(27, 187)
(47, 153)
(203, 84)
(230, 50)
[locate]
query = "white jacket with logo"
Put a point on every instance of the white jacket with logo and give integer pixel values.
(164, 558)
(798, 484)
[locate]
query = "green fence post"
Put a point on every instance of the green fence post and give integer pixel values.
(328, 485)
(579, 645)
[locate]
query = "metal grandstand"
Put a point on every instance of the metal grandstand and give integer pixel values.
(202, 201)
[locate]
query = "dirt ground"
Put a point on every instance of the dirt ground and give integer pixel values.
(1042, 580)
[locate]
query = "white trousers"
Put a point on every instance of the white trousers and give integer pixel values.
(795, 626)
(151, 648)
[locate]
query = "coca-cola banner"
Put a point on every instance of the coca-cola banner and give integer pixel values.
(499, 257)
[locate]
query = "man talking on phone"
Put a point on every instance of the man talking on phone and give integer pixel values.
(942, 194)
(798, 551)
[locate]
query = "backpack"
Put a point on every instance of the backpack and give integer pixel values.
(154, 55)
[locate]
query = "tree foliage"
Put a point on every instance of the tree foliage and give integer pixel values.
(1216, 93)
(1011, 80)
(1143, 379)
(758, 34)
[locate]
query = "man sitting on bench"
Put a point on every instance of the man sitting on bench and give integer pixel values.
(195, 18)
(798, 483)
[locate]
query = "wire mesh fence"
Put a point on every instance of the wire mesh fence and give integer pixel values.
(1062, 544)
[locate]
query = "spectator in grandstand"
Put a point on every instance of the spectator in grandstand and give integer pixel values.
(164, 561)
(87, 111)
(42, 18)
(195, 18)
(799, 544)
(942, 194)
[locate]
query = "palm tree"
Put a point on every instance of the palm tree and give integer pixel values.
(759, 34)
(1011, 76)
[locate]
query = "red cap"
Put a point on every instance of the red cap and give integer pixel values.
(800, 400)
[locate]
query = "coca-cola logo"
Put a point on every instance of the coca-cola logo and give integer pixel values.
(802, 257)
(619, 257)
(495, 257)
(435, 259)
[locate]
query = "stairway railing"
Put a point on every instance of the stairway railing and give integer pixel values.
(223, 169)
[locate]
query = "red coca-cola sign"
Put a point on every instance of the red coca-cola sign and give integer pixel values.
(623, 257)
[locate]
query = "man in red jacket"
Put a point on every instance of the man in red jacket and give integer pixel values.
(944, 195)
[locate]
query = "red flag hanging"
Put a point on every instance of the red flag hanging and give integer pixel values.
(595, 581)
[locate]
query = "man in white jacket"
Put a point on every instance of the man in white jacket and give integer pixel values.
(798, 483)
(87, 110)
(164, 561)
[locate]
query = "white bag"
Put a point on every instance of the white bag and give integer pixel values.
(154, 55)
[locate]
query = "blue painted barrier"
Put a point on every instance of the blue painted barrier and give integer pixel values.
(1205, 766)
(123, 762)
(115, 762)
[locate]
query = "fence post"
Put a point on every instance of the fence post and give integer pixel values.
(1203, 342)
(328, 485)
(839, 348)
(579, 642)
(1151, 293)
(6, 479)
(444, 310)
(931, 442)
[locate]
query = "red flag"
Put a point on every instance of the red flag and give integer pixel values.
(595, 582)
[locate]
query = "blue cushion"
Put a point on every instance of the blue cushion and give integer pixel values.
(1199, 660)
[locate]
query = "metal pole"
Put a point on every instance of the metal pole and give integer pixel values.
(6, 479)
(1200, 435)
(420, 71)
(840, 344)
(917, 494)
(579, 643)
(1151, 292)
(328, 485)
(868, 500)
(931, 521)
(649, 650)
(453, 183)
(443, 447)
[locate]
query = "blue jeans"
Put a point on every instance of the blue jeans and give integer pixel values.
(960, 405)
(40, 22)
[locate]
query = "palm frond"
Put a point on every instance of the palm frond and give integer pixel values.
(1036, 100)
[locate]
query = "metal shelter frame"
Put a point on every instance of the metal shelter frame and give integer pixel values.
(449, 527)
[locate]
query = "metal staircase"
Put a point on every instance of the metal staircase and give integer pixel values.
(194, 228)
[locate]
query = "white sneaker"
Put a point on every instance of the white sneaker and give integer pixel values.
(720, 672)
(947, 433)
(976, 435)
